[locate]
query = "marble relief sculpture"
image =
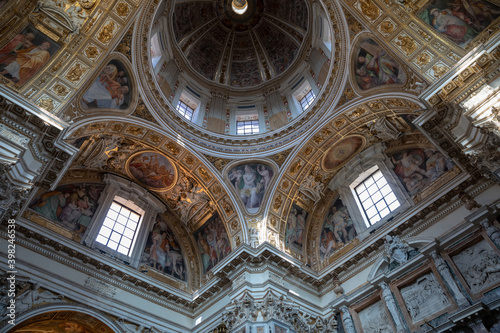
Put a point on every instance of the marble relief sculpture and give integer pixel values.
(374, 319)
(424, 297)
(479, 265)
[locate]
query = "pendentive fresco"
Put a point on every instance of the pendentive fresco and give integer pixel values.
(111, 89)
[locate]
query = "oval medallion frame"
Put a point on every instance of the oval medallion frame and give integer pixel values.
(148, 182)
(353, 143)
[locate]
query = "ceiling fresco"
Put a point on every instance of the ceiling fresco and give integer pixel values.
(96, 78)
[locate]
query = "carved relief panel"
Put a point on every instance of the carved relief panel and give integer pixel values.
(477, 265)
(372, 316)
(423, 296)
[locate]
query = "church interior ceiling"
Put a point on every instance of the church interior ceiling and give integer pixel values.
(196, 170)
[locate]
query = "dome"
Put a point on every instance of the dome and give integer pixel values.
(240, 50)
(242, 73)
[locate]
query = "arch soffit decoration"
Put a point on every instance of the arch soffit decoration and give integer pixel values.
(58, 307)
(306, 159)
(185, 158)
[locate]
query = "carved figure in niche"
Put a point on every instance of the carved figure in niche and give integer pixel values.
(460, 21)
(251, 181)
(213, 242)
(396, 249)
(26, 54)
(418, 168)
(424, 297)
(374, 67)
(163, 252)
(338, 229)
(384, 129)
(479, 265)
(72, 205)
(111, 89)
(295, 227)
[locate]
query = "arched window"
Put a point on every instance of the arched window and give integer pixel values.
(374, 196)
(120, 225)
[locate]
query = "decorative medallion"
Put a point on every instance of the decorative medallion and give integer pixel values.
(341, 152)
(152, 170)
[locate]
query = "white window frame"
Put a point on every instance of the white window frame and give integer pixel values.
(357, 170)
(309, 100)
(131, 195)
(127, 205)
(183, 109)
(361, 179)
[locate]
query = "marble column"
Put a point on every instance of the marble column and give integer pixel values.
(347, 320)
(393, 309)
(445, 272)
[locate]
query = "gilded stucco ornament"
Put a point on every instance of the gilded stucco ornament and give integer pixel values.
(423, 59)
(369, 9)
(76, 72)
(60, 90)
(47, 103)
(406, 43)
(387, 26)
(107, 32)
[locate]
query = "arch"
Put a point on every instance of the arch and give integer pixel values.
(64, 307)
(188, 160)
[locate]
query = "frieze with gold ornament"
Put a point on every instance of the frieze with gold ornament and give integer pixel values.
(92, 52)
(47, 103)
(421, 32)
(122, 10)
(423, 59)
(76, 72)
(29, 93)
(437, 70)
(60, 90)
(387, 27)
(218, 162)
(405, 43)
(107, 31)
(369, 9)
